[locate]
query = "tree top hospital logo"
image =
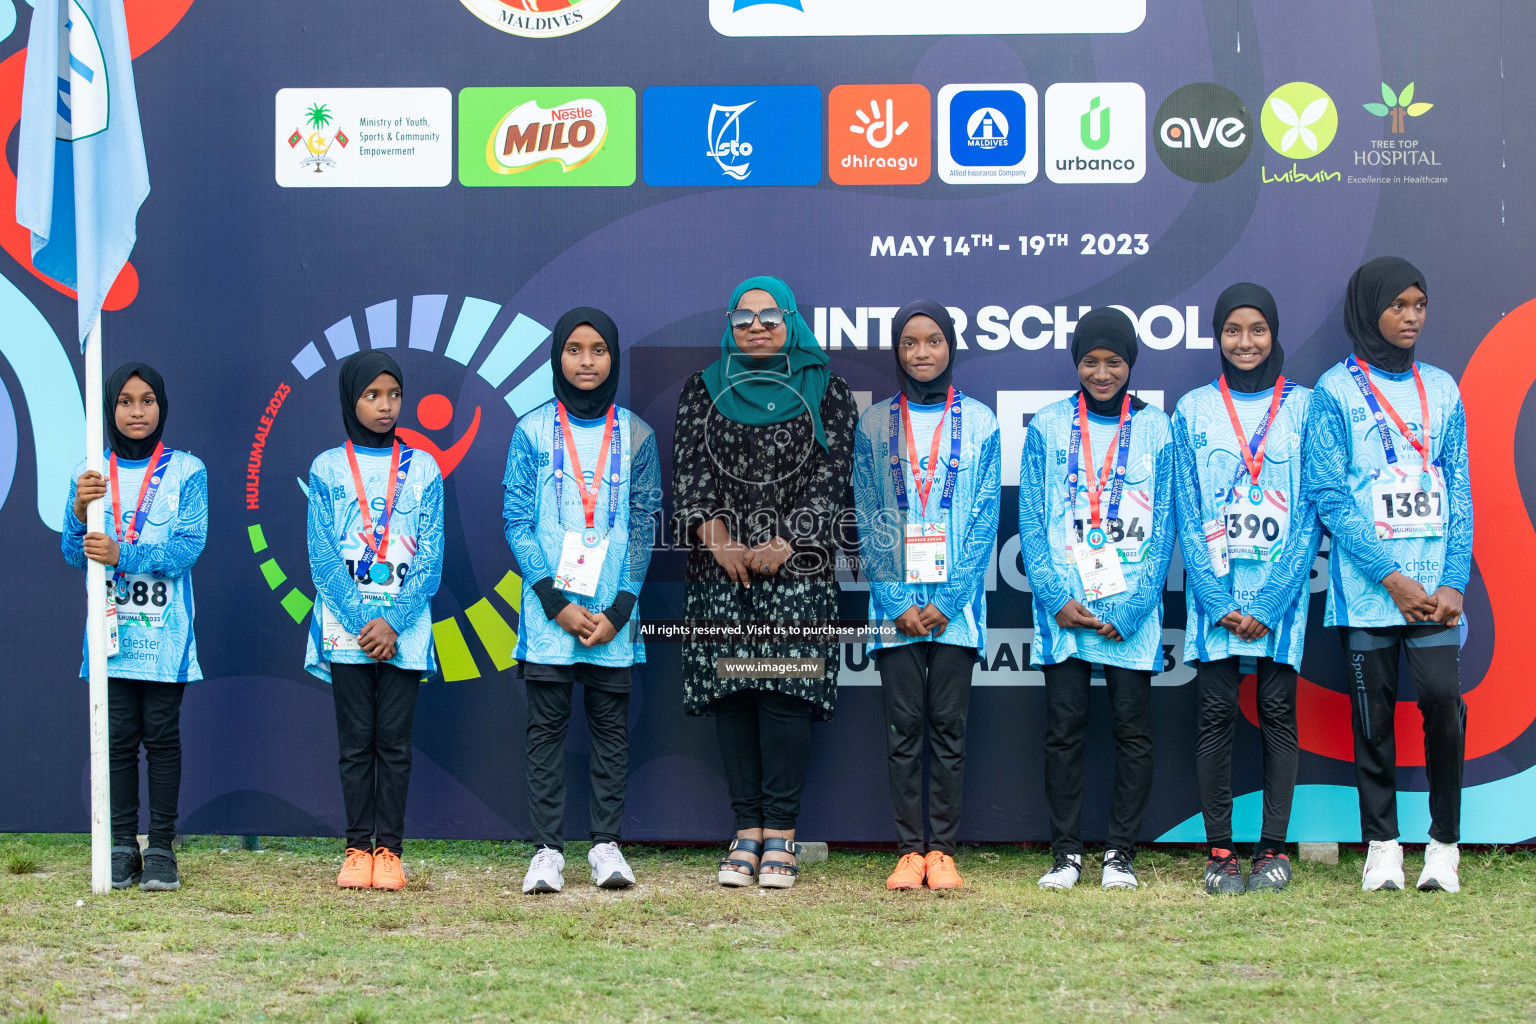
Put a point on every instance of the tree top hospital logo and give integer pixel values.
(493, 362)
(988, 134)
(1203, 132)
(1095, 132)
(731, 135)
(540, 19)
(1398, 106)
(1299, 120)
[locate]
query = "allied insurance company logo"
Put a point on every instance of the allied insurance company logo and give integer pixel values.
(570, 136)
(540, 19)
(458, 352)
(1203, 132)
(988, 134)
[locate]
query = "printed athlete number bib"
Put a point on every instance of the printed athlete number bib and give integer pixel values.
(1257, 522)
(1409, 505)
(141, 599)
(1128, 535)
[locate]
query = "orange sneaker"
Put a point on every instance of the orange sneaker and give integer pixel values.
(357, 872)
(387, 870)
(908, 873)
(941, 871)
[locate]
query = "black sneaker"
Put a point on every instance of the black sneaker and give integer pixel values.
(1271, 871)
(1223, 873)
(160, 871)
(127, 867)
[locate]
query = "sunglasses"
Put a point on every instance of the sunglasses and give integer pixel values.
(771, 318)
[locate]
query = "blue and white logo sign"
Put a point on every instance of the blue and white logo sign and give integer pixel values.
(988, 134)
(84, 100)
(920, 17)
(732, 135)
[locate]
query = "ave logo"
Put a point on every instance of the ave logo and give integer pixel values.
(1204, 132)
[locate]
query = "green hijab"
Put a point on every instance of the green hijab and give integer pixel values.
(777, 388)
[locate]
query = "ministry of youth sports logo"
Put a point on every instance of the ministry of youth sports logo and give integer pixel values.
(492, 361)
(540, 19)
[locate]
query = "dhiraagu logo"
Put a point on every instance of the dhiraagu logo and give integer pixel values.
(1299, 120)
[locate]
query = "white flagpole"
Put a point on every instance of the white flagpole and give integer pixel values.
(96, 628)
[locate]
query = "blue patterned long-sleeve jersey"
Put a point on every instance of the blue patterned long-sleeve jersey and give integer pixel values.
(535, 529)
(1345, 458)
(1213, 481)
(970, 521)
(159, 568)
(1147, 518)
(415, 558)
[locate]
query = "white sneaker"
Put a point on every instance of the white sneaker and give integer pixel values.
(1441, 861)
(1383, 866)
(1118, 872)
(1064, 873)
(546, 873)
(609, 868)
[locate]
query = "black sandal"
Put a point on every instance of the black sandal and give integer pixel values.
(783, 875)
(728, 875)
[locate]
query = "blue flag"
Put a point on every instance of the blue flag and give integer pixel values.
(81, 173)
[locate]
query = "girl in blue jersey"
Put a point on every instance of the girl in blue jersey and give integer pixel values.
(157, 523)
(1386, 465)
(926, 481)
(376, 555)
(1249, 538)
(580, 498)
(1096, 528)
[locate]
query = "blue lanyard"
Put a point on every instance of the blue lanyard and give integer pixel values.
(1262, 432)
(1358, 376)
(615, 447)
(956, 432)
(1122, 457)
(147, 495)
(366, 569)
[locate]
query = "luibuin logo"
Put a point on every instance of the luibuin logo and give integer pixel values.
(1399, 106)
(726, 146)
(1299, 120)
(1095, 136)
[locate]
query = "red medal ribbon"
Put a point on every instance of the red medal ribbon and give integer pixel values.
(923, 482)
(588, 498)
(1253, 460)
(1096, 487)
(382, 547)
(1421, 445)
(117, 516)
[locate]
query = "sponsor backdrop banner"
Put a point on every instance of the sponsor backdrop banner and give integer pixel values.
(327, 180)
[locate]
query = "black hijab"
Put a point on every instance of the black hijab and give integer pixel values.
(585, 405)
(1251, 296)
(358, 371)
(1371, 290)
(1107, 327)
(121, 444)
(925, 392)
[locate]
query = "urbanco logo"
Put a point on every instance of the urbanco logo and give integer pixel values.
(1299, 120)
(988, 134)
(1203, 132)
(540, 19)
(880, 134)
(1095, 132)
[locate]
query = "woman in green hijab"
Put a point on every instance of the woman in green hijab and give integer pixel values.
(761, 465)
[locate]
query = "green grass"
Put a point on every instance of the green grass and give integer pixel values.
(266, 936)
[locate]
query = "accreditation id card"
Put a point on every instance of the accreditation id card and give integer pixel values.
(1409, 505)
(378, 591)
(1216, 546)
(581, 562)
(926, 553)
(1099, 569)
(112, 646)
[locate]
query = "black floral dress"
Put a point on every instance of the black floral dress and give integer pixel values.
(762, 480)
